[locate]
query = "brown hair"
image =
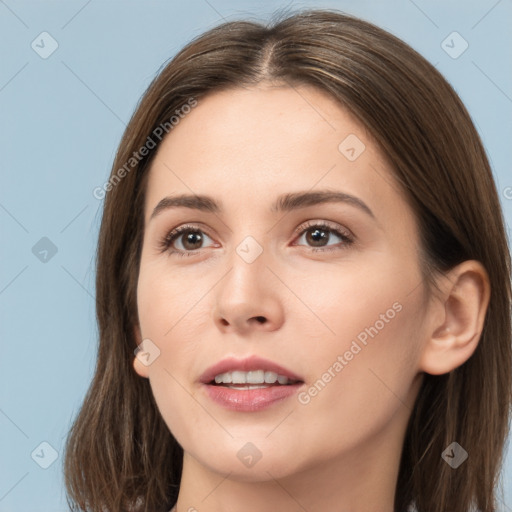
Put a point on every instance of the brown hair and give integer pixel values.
(120, 454)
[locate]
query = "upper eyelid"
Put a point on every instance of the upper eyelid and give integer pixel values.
(334, 226)
(302, 226)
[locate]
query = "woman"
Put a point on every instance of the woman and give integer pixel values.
(303, 286)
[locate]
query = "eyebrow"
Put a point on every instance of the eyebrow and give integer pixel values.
(284, 203)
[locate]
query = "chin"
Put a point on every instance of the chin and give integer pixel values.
(260, 472)
(244, 462)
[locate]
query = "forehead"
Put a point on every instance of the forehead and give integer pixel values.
(257, 143)
(278, 118)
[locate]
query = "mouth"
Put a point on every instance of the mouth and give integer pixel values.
(249, 385)
(255, 379)
(250, 370)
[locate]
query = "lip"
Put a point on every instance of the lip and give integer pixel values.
(248, 400)
(247, 364)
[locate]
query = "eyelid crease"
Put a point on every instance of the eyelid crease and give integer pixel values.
(325, 224)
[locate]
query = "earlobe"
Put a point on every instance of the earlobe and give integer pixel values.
(463, 306)
(139, 368)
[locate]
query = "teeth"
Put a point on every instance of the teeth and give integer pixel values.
(248, 387)
(252, 377)
(271, 377)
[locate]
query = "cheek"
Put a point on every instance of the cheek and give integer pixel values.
(365, 365)
(166, 302)
(363, 296)
(174, 314)
(361, 381)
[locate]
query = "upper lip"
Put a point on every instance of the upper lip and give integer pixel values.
(247, 364)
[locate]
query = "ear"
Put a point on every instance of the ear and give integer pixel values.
(457, 318)
(139, 368)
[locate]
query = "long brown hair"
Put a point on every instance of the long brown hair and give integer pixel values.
(120, 454)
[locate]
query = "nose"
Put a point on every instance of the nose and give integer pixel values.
(248, 298)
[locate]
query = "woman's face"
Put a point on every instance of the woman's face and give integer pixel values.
(329, 290)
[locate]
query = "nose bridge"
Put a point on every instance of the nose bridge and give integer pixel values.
(248, 267)
(250, 245)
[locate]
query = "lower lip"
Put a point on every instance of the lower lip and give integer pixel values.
(249, 400)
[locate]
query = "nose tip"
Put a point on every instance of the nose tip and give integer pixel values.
(245, 300)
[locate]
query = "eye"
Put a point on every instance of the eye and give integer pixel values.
(318, 233)
(189, 237)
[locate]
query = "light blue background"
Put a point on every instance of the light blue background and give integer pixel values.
(61, 121)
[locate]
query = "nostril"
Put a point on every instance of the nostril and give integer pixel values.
(261, 319)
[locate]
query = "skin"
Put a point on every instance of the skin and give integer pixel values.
(341, 450)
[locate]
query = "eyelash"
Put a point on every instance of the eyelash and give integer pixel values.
(166, 242)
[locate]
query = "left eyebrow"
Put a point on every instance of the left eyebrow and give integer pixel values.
(284, 203)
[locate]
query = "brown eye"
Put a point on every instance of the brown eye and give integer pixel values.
(191, 240)
(318, 236)
(188, 240)
(184, 241)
